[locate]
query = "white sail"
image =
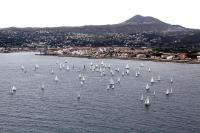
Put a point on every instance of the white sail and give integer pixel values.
(22, 67)
(127, 66)
(91, 63)
(68, 68)
(118, 80)
(136, 74)
(127, 72)
(42, 87)
(111, 81)
(56, 78)
(108, 87)
(147, 87)
(123, 73)
(102, 63)
(141, 65)
(101, 74)
(79, 96)
(159, 78)
(52, 72)
(80, 76)
(36, 66)
(14, 88)
(167, 92)
(109, 66)
(152, 80)
(81, 83)
(60, 67)
(154, 92)
(83, 78)
(147, 101)
(112, 72)
(117, 69)
(171, 90)
(171, 80)
(142, 98)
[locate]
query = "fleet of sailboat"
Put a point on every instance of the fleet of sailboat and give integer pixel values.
(104, 68)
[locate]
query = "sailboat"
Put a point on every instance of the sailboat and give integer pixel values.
(67, 68)
(152, 80)
(22, 67)
(52, 72)
(108, 87)
(154, 92)
(112, 83)
(79, 97)
(36, 66)
(102, 63)
(149, 70)
(142, 98)
(101, 73)
(118, 80)
(147, 101)
(141, 65)
(158, 78)
(127, 66)
(80, 76)
(127, 72)
(136, 75)
(60, 67)
(123, 73)
(82, 83)
(109, 66)
(91, 63)
(171, 90)
(167, 92)
(147, 87)
(117, 69)
(42, 87)
(14, 88)
(171, 81)
(83, 79)
(56, 78)
(112, 73)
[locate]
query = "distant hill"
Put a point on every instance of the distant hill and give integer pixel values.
(138, 19)
(135, 24)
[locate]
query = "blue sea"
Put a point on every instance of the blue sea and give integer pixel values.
(119, 110)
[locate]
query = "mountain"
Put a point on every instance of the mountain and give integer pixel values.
(138, 19)
(135, 24)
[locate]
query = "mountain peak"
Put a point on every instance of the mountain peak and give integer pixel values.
(139, 19)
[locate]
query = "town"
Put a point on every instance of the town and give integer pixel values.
(177, 47)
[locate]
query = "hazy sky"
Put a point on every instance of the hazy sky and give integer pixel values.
(43, 13)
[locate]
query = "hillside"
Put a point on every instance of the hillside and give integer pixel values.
(137, 31)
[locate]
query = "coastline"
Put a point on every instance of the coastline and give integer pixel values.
(138, 59)
(90, 56)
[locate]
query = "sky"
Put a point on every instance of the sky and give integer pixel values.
(54, 13)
